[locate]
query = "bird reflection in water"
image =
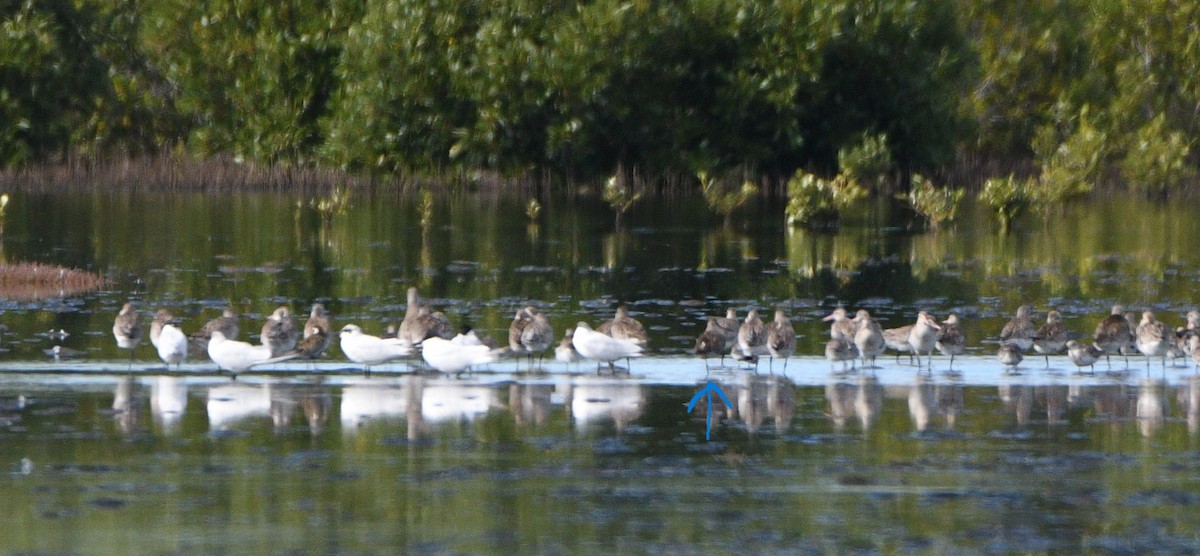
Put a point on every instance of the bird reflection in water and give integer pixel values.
(1189, 402)
(314, 402)
(595, 401)
(127, 407)
(530, 403)
(863, 401)
(168, 401)
(1151, 406)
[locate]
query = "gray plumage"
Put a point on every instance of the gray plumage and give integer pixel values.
(1051, 338)
(950, 340)
(1020, 330)
(279, 332)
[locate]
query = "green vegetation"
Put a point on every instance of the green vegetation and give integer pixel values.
(1007, 197)
(818, 203)
(937, 205)
(1077, 92)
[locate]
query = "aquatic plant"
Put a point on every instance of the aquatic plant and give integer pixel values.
(1007, 197)
(533, 209)
(620, 196)
(722, 197)
(818, 203)
(426, 208)
(868, 162)
(337, 202)
(1157, 161)
(937, 204)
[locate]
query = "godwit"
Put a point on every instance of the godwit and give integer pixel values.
(781, 338)
(752, 338)
(842, 327)
(1114, 335)
(624, 327)
(840, 350)
(127, 329)
(279, 332)
(1051, 337)
(923, 337)
(538, 334)
(565, 352)
(897, 339)
(317, 332)
(951, 339)
(868, 337)
(1152, 338)
(1020, 330)
(710, 342)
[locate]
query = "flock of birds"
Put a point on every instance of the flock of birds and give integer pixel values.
(851, 339)
(422, 328)
(1117, 334)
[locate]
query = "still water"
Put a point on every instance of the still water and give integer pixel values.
(98, 455)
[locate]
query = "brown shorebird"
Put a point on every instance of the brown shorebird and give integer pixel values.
(896, 339)
(1084, 356)
(711, 342)
(1020, 330)
(520, 320)
(951, 339)
(923, 337)
(317, 333)
(227, 323)
(537, 335)
(781, 338)
(840, 350)
(565, 351)
(842, 328)
(279, 332)
(1010, 356)
(421, 322)
(1114, 335)
(624, 327)
(1152, 338)
(1051, 338)
(868, 337)
(752, 338)
(127, 329)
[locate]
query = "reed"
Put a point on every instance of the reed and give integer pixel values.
(35, 281)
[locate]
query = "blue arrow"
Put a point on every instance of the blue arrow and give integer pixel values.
(708, 389)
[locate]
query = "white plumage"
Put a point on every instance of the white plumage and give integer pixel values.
(172, 345)
(237, 356)
(601, 347)
(449, 356)
(371, 350)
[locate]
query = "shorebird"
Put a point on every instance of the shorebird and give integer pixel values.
(727, 326)
(565, 352)
(371, 350)
(923, 336)
(602, 347)
(279, 332)
(1010, 355)
(897, 339)
(537, 335)
(624, 327)
(1084, 356)
(127, 329)
(752, 338)
(317, 333)
(519, 322)
(59, 352)
(448, 356)
(868, 337)
(1020, 330)
(711, 342)
(781, 338)
(1114, 335)
(951, 339)
(236, 356)
(842, 327)
(421, 322)
(1051, 337)
(840, 350)
(168, 339)
(1151, 338)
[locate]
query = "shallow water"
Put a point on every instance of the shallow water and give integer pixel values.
(567, 462)
(100, 455)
